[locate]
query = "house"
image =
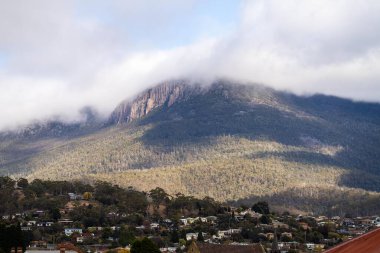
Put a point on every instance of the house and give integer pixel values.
(112, 215)
(348, 223)
(376, 221)
(226, 233)
(212, 219)
(70, 231)
(203, 219)
(38, 213)
(286, 234)
(19, 215)
(111, 239)
(304, 225)
(191, 236)
(168, 221)
(65, 221)
(183, 221)
(321, 218)
(94, 229)
(74, 196)
(154, 225)
(190, 220)
(38, 244)
(251, 213)
(286, 246)
(41, 224)
(310, 246)
(278, 224)
(168, 250)
(67, 247)
(85, 236)
(44, 224)
(265, 226)
(365, 222)
(31, 223)
(69, 206)
(233, 231)
(269, 236)
(224, 248)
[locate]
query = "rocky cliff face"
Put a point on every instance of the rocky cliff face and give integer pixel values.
(165, 94)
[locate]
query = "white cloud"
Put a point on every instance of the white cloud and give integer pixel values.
(61, 58)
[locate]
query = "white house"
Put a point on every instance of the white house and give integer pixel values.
(74, 196)
(31, 223)
(70, 231)
(154, 225)
(183, 221)
(193, 236)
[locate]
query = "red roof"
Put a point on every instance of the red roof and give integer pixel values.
(367, 243)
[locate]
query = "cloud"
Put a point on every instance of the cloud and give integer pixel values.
(62, 56)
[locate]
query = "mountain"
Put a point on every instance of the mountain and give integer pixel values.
(230, 141)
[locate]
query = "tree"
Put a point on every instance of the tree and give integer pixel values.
(38, 187)
(106, 233)
(159, 196)
(55, 214)
(315, 237)
(286, 238)
(182, 242)
(10, 236)
(261, 207)
(126, 236)
(6, 182)
(23, 183)
(87, 195)
(174, 238)
(144, 246)
(200, 237)
(265, 219)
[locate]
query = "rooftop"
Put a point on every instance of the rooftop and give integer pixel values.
(368, 243)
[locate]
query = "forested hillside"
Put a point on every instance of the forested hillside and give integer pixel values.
(227, 141)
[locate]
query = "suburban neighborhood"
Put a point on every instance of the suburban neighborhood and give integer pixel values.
(107, 218)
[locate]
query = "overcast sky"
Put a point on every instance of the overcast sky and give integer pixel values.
(58, 56)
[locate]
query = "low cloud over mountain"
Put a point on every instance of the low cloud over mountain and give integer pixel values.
(57, 57)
